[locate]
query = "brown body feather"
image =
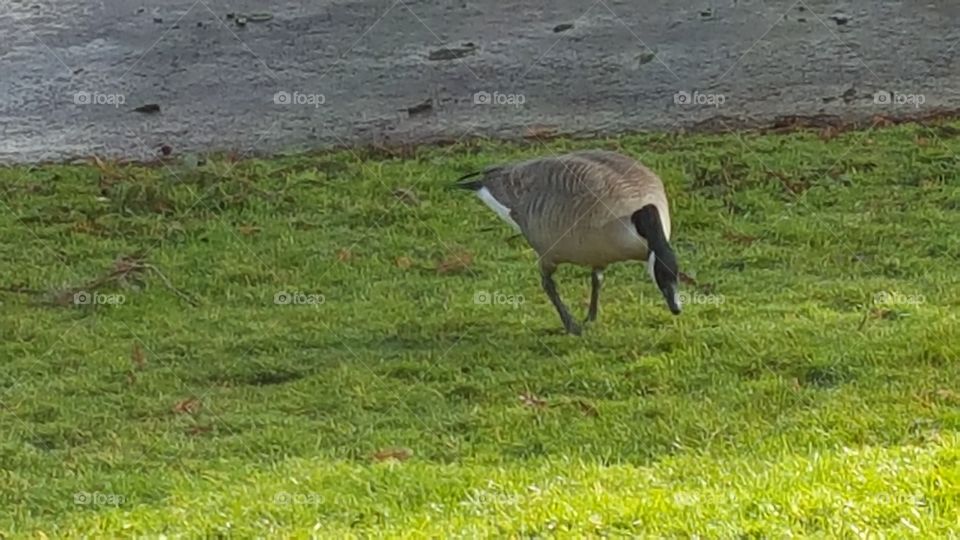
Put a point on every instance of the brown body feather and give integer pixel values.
(576, 208)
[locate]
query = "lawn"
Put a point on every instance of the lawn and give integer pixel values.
(340, 345)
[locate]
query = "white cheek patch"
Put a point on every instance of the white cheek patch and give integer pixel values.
(677, 299)
(651, 261)
(497, 207)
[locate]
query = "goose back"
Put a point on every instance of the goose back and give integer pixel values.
(576, 207)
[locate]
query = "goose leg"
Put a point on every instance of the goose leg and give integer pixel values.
(550, 287)
(596, 279)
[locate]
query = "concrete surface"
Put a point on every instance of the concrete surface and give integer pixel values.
(355, 67)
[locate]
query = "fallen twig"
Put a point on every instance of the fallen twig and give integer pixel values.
(125, 269)
(169, 285)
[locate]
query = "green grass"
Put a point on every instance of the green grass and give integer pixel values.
(811, 387)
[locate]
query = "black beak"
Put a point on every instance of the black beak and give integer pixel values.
(672, 297)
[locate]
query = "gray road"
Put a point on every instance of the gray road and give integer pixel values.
(345, 72)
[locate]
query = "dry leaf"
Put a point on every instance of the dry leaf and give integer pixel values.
(198, 430)
(248, 230)
(404, 262)
(406, 196)
(686, 280)
(420, 108)
(108, 171)
(880, 313)
(880, 121)
(948, 395)
(396, 454)
(86, 226)
(828, 133)
(137, 357)
(457, 261)
(739, 238)
(793, 186)
(344, 255)
(922, 141)
(189, 405)
(539, 132)
(531, 400)
(587, 408)
(148, 108)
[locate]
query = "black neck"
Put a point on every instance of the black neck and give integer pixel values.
(648, 224)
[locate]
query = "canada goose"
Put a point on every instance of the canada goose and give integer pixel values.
(590, 208)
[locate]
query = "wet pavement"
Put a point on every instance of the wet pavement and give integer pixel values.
(261, 77)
